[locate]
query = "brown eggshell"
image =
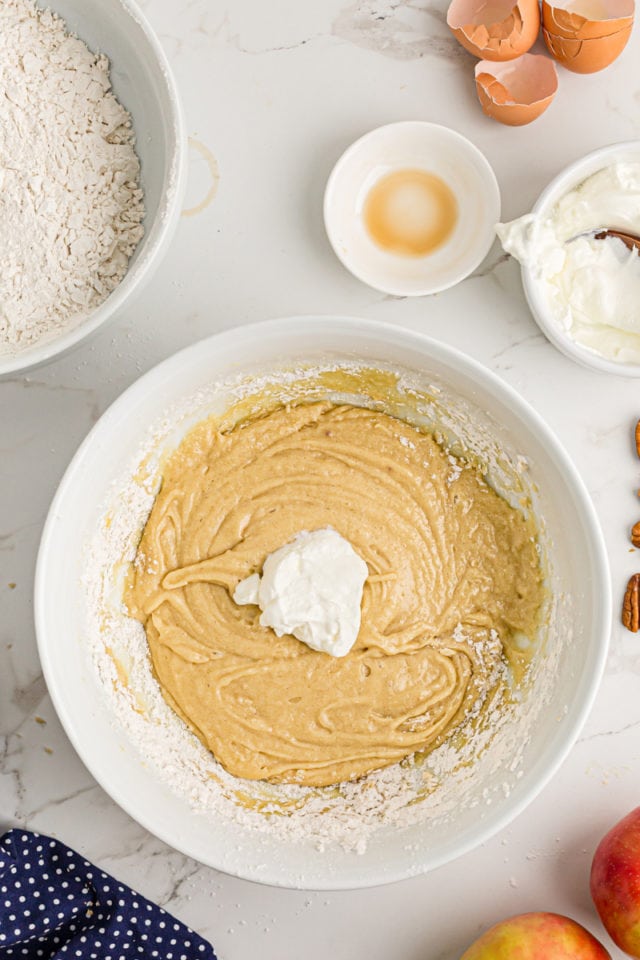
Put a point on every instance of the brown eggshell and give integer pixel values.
(587, 56)
(585, 21)
(516, 92)
(500, 31)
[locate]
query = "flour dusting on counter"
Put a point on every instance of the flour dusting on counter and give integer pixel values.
(71, 207)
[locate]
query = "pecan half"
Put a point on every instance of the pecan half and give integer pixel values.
(638, 438)
(631, 604)
(635, 534)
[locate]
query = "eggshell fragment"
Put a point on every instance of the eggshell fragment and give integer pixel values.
(587, 35)
(495, 29)
(587, 56)
(517, 92)
(587, 19)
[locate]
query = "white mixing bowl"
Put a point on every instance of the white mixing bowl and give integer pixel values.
(142, 81)
(574, 649)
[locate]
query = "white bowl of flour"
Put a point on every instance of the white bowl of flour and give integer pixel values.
(92, 169)
(95, 658)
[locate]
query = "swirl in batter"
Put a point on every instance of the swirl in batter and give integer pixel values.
(454, 584)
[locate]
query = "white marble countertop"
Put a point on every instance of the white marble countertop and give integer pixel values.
(276, 91)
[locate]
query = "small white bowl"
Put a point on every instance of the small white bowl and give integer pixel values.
(569, 178)
(412, 144)
(142, 81)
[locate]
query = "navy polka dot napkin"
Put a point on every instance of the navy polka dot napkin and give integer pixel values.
(54, 903)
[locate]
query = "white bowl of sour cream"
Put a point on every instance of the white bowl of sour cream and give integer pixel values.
(585, 293)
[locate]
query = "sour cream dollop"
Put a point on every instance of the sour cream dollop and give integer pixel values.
(311, 588)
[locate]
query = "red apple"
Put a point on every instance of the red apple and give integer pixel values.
(615, 883)
(536, 936)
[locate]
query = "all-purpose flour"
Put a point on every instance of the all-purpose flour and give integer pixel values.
(71, 207)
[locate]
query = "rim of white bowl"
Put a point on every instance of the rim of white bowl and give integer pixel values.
(570, 176)
(459, 360)
(168, 214)
(345, 157)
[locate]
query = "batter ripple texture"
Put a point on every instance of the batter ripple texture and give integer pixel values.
(450, 609)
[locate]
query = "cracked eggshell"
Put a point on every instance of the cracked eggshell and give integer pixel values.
(587, 35)
(516, 92)
(502, 30)
(587, 56)
(586, 19)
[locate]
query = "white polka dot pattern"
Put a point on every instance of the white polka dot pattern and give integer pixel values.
(54, 903)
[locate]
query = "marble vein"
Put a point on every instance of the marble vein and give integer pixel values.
(610, 733)
(518, 343)
(400, 29)
(28, 815)
(89, 394)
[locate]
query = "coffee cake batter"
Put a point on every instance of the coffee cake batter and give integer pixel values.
(454, 588)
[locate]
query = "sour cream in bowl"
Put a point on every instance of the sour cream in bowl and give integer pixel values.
(584, 292)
